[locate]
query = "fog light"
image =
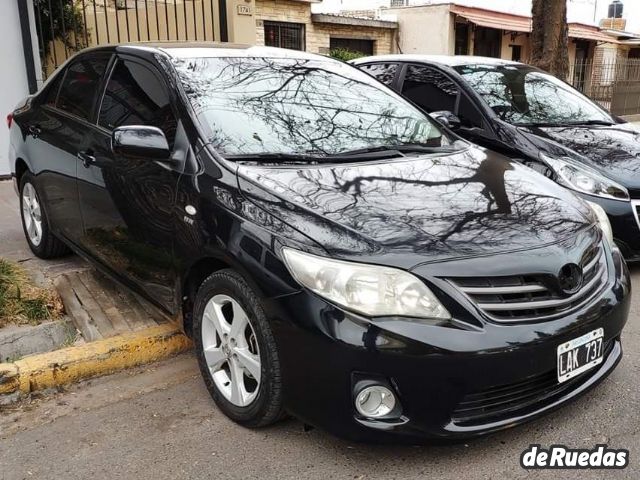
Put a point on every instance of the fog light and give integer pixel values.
(375, 401)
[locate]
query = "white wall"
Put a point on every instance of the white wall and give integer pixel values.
(415, 37)
(13, 81)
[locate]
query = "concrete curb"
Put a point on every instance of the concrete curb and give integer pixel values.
(68, 365)
(17, 341)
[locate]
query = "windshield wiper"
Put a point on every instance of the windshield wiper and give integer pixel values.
(596, 122)
(401, 148)
(566, 124)
(372, 153)
(302, 158)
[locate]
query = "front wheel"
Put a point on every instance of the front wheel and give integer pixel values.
(236, 350)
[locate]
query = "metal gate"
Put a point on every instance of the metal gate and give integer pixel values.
(613, 84)
(67, 26)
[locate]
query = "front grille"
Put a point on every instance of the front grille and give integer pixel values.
(510, 400)
(526, 298)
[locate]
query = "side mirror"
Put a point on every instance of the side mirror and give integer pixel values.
(140, 141)
(446, 118)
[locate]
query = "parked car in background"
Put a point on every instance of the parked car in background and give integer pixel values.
(333, 252)
(530, 115)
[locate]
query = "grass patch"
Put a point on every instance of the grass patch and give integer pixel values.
(21, 302)
(345, 54)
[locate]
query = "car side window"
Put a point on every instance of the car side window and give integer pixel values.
(136, 96)
(468, 113)
(431, 90)
(51, 94)
(81, 84)
(384, 72)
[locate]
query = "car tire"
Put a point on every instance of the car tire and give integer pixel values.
(35, 223)
(218, 312)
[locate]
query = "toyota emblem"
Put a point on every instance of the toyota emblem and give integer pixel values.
(570, 279)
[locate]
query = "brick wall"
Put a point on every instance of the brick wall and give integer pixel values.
(319, 41)
(282, 11)
(318, 35)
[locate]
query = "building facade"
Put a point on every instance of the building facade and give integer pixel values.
(463, 30)
(279, 23)
(291, 24)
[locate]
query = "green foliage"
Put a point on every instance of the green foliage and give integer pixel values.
(60, 20)
(22, 302)
(345, 54)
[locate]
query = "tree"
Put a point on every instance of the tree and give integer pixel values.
(549, 38)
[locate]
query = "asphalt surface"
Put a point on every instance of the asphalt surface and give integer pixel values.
(159, 422)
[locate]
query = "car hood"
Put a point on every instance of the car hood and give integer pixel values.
(415, 210)
(614, 150)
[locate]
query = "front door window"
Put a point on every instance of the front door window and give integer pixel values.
(430, 89)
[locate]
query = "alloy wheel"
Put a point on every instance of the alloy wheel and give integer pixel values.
(231, 350)
(32, 214)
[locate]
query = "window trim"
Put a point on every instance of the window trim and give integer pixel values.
(93, 113)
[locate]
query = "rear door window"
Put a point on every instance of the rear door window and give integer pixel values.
(51, 93)
(384, 72)
(135, 95)
(81, 84)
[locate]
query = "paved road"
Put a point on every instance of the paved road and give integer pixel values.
(159, 422)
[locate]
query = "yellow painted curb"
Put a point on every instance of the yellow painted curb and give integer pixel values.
(61, 367)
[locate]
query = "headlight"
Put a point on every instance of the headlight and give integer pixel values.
(603, 221)
(585, 180)
(367, 289)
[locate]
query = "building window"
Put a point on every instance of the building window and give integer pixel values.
(284, 35)
(487, 42)
(516, 53)
(364, 47)
(462, 39)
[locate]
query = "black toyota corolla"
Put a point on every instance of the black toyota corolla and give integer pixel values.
(332, 252)
(529, 115)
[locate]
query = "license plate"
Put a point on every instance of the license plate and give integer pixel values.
(580, 354)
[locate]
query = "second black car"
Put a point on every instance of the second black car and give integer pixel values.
(531, 116)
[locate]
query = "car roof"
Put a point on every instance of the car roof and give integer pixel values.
(448, 60)
(206, 50)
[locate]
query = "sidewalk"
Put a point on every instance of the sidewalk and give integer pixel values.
(118, 329)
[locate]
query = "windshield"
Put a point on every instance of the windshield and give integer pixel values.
(523, 95)
(316, 108)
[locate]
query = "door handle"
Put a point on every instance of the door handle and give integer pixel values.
(34, 131)
(86, 158)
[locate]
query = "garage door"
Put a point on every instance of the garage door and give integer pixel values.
(362, 46)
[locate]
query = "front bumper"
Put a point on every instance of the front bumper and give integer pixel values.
(436, 370)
